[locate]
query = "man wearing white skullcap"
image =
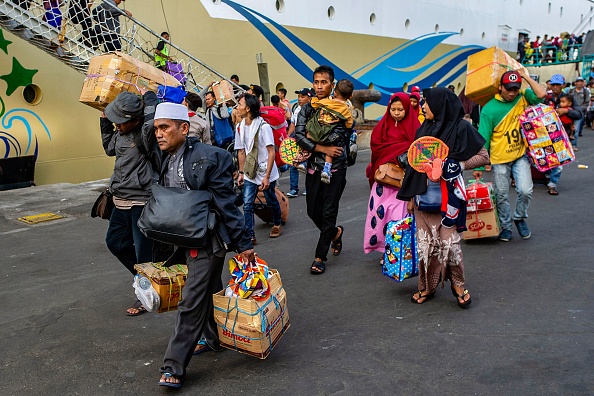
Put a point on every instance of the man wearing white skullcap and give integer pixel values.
(192, 165)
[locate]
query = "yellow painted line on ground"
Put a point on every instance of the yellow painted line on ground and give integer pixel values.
(40, 218)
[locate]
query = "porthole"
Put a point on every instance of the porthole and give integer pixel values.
(372, 18)
(407, 24)
(280, 5)
(331, 12)
(216, 2)
(461, 32)
(436, 28)
(32, 94)
(405, 87)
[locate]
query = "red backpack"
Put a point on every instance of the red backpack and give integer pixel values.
(275, 117)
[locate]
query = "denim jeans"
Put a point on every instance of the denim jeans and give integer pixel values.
(554, 176)
(293, 178)
(520, 169)
(250, 190)
(579, 127)
(125, 240)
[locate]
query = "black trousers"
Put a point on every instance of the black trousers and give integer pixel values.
(195, 316)
(322, 207)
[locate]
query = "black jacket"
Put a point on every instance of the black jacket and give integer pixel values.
(132, 172)
(317, 159)
(210, 168)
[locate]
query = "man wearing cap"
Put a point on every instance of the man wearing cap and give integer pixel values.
(192, 165)
(304, 96)
(500, 127)
(581, 96)
(121, 128)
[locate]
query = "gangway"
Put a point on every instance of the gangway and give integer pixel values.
(74, 35)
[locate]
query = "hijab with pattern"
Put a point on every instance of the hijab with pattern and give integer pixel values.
(448, 125)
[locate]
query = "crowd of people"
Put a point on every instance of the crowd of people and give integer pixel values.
(564, 47)
(172, 145)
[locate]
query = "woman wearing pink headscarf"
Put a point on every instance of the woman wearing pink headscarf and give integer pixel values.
(391, 138)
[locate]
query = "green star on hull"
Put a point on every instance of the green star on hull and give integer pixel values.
(18, 77)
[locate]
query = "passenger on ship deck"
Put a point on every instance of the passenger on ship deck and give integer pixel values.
(162, 52)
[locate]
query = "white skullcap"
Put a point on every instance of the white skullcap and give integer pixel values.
(171, 111)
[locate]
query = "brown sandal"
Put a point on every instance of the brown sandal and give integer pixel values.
(553, 191)
(422, 296)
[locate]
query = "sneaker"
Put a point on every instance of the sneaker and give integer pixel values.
(325, 177)
(293, 194)
(523, 229)
(276, 231)
(505, 235)
(304, 193)
(575, 148)
(301, 168)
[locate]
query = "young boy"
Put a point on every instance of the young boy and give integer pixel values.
(329, 113)
(566, 102)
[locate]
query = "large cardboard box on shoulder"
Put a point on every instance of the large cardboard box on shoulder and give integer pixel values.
(111, 74)
(484, 71)
(249, 326)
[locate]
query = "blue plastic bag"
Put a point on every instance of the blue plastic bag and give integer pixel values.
(171, 94)
(400, 258)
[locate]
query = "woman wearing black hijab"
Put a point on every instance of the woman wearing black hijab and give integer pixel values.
(438, 246)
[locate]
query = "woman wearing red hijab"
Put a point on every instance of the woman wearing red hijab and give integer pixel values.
(391, 137)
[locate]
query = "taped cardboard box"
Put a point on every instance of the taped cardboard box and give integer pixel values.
(481, 224)
(167, 281)
(484, 71)
(481, 196)
(111, 74)
(223, 91)
(249, 326)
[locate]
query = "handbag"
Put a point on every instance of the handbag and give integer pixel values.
(430, 200)
(103, 206)
(389, 174)
(177, 216)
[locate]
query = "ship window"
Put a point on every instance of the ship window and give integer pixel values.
(331, 12)
(405, 87)
(561, 12)
(461, 32)
(280, 5)
(436, 28)
(372, 18)
(483, 36)
(407, 24)
(217, 2)
(32, 94)
(549, 8)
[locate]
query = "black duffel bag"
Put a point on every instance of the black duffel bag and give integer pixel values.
(177, 216)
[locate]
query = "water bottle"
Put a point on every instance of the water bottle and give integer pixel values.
(143, 282)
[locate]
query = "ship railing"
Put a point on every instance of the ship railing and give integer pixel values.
(552, 55)
(74, 33)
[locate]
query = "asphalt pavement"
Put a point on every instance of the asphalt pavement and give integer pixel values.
(529, 330)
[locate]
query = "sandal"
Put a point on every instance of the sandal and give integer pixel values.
(318, 267)
(337, 243)
(421, 296)
(202, 347)
(164, 382)
(138, 309)
(553, 191)
(464, 303)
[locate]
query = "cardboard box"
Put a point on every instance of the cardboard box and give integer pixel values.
(480, 196)
(249, 326)
(223, 91)
(484, 71)
(111, 74)
(167, 281)
(481, 224)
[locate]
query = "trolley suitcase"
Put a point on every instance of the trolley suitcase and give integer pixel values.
(265, 213)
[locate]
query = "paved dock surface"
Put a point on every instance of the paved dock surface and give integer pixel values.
(529, 330)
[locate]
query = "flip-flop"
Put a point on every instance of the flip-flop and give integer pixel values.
(171, 384)
(318, 267)
(204, 347)
(138, 306)
(337, 244)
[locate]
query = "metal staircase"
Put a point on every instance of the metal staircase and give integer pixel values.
(73, 35)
